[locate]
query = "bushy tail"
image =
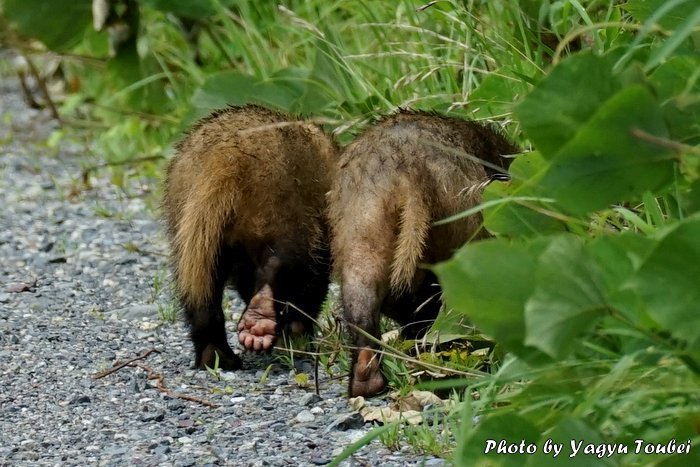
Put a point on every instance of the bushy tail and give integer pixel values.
(414, 223)
(197, 241)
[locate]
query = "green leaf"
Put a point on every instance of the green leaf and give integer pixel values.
(225, 88)
(692, 198)
(490, 282)
(449, 325)
(59, 24)
(496, 94)
(683, 32)
(200, 9)
(280, 91)
(563, 101)
(667, 281)
(686, 429)
(328, 81)
(674, 12)
(567, 434)
(569, 296)
(509, 427)
(606, 161)
(523, 215)
(619, 256)
(678, 87)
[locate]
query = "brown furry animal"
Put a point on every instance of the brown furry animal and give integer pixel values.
(245, 202)
(394, 181)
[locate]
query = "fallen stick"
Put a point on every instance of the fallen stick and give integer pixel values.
(119, 365)
(152, 375)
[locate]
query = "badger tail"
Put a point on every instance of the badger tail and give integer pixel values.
(414, 224)
(197, 242)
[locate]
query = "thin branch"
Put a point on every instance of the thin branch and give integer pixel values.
(119, 365)
(154, 376)
(426, 6)
(137, 160)
(160, 385)
(675, 146)
(41, 82)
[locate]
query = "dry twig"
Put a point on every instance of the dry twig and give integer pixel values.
(154, 376)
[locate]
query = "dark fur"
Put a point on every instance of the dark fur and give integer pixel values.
(245, 203)
(397, 178)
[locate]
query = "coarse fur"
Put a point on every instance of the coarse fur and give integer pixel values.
(245, 203)
(394, 181)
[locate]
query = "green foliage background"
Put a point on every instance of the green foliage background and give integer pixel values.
(592, 283)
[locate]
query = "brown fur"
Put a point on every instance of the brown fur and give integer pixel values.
(394, 181)
(245, 201)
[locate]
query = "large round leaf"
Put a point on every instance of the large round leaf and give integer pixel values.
(59, 24)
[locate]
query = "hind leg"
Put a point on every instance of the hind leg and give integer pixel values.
(364, 277)
(362, 298)
(207, 324)
(289, 292)
(260, 322)
(257, 328)
(301, 290)
(416, 311)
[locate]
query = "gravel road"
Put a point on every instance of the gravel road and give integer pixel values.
(74, 300)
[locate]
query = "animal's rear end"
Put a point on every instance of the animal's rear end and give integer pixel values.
(199, 202)
(395, 180)
(244, 199)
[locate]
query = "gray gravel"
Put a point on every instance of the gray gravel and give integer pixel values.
(73, 300)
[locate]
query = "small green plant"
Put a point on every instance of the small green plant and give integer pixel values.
(214, 371)
(434, 438)
(397, 374)
(266, 373)
(301, 379)
(226, 390)
(60, 247)
(103, 211)
(96, 312)
(392, 436)
(168, 312)
(160, 278)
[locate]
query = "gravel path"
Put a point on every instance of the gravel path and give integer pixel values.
(73, 300)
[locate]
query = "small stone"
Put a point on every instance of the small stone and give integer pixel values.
(320, 461)
(136, 385)
(237, 400)
(153, 417)
(249, 445)
(351, 421)
(80, 399)
(137, 312)
(316, 410)
(434, 462)
(161, 450)
(305, 416)
(309, 399)
(185, 423)
(18, 287)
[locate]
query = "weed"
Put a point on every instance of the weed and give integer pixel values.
(392, 436)
(168, 312)
(266, 373)
(96, 312)
(215, 371)
(103, 211)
